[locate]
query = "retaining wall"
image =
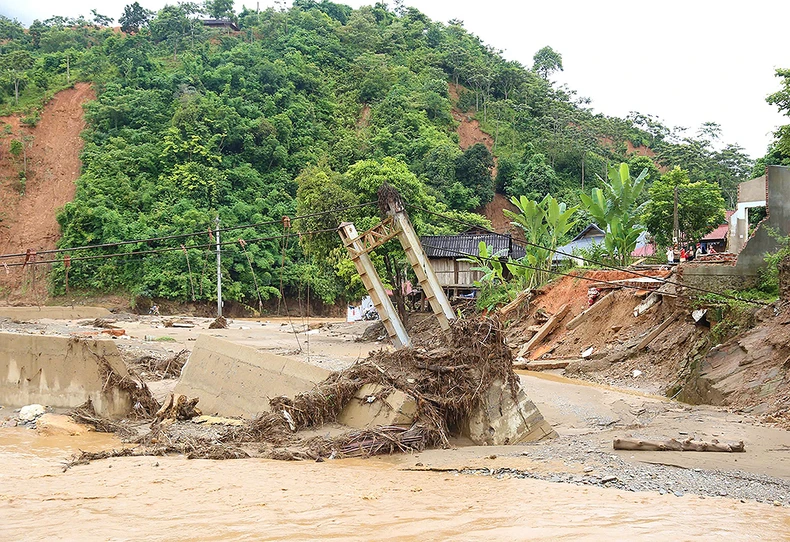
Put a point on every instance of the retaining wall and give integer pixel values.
(235, 380)
(54, 313)
(60, 372)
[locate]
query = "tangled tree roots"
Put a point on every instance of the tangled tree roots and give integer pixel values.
(145, 406)
(447, 382)
(86, 414)
(159, 368)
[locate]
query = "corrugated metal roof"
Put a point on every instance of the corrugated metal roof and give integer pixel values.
(721, 231)
(590, 231)
(449, 246)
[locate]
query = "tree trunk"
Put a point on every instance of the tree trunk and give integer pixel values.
(582, 171)
(16, 91)
(673, 445)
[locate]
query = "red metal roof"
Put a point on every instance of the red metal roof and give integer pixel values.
(718, 234)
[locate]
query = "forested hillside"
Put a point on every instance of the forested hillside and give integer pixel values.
(300, 111)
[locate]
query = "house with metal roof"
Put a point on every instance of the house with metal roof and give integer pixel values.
(221, 23)
(589, 236)
(446, 254)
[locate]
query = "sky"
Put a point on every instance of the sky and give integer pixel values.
(686, 62)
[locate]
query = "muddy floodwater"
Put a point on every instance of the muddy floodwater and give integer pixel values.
(172, 498)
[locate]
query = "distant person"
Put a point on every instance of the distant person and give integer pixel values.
(711, 250)
(699, 252)
(154, 310)
(683, 255)
(671, 255)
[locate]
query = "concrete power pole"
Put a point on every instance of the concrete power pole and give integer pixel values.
(676, 224)
(219, 273)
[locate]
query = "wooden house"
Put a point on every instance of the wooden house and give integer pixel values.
(446, 252)
(220, 23)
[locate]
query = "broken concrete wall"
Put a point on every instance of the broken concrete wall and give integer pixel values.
(371, 407)
(751, 259)
(54, 313)
(236, 380)
(502, 420)
(60, 372)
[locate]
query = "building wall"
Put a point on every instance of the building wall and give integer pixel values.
(751, 258)
(454, 273)
(753, 190)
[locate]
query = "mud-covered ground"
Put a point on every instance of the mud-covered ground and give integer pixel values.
(575, 485)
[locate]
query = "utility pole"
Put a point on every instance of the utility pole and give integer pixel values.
(219, 273)
(676, 224)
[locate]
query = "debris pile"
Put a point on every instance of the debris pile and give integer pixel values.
(448, 381)
(219, 323)
(154, 367)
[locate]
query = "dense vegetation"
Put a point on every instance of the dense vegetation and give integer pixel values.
(303, 110)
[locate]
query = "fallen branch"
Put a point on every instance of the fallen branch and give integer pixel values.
(673, 445)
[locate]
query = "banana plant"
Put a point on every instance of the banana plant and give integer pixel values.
(614, 209)
(544, 224)
(489, 263)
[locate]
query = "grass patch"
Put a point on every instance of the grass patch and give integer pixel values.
(165, 339)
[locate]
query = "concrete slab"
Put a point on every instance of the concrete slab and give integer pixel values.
(501, 420)
(61, 372)
(53, 313)
(236, 380)
(369, 408)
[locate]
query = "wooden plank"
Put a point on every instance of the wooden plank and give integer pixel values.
(515, 304)
(650, 337)
(541, 364)
(595, 309)
(547, 328)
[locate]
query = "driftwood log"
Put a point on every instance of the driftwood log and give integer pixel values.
(673, 445)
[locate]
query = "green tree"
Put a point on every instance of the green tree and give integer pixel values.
(15, 66)
(546, 61)
(219, 9)
(473, 170)
(535, 179)
(101, 20)
(639, 163)
(134, 18)
(700, 207)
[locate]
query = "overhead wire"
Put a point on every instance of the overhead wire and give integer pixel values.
(588, 260)
(526, 266)
(185, 235)
(164, 249)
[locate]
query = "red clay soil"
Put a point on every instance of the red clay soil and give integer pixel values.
(597, 331)
(493, 212)
(574, 290)
(28, 221)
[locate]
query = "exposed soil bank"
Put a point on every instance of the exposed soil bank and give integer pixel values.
(53, 164)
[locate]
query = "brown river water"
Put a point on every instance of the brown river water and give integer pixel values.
(172, 498)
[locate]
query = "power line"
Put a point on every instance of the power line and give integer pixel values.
(167, 249)
(594, 262)
(185, 235)
(519, 264)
